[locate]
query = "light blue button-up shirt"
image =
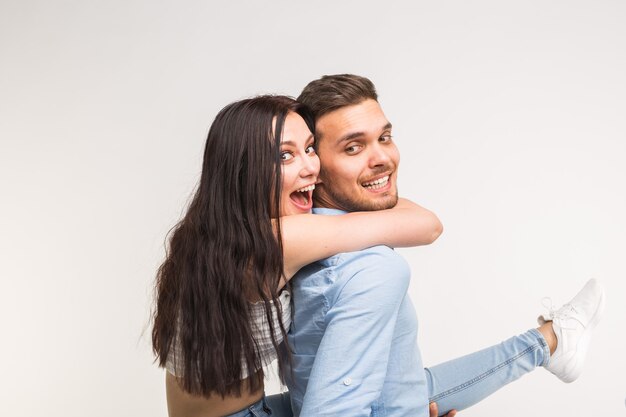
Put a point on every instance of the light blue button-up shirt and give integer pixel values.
(354, 338)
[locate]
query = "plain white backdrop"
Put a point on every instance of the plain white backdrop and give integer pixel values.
(510, 118)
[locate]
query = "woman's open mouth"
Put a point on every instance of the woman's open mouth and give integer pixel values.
(303, 198)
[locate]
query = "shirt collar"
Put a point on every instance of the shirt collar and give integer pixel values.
(328, 211)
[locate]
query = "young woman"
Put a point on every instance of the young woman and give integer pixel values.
(221, 307)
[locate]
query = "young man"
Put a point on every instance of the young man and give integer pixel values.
(354, 332)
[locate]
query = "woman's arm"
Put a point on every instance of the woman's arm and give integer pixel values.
(310, 237)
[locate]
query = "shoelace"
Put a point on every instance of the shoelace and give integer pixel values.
(562, 314)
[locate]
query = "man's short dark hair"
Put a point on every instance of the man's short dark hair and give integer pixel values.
(332, 92)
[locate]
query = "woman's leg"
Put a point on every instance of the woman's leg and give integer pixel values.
(280, 404)
(560, 344)
(462, 382)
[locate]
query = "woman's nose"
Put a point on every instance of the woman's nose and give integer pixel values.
(310, 166)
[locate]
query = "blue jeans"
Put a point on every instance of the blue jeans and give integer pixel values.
(258, 409)
(278, 405)
(465, 381)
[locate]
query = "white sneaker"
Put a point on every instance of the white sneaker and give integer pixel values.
(573, 324)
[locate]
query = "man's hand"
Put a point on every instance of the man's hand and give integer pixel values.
(434, 411)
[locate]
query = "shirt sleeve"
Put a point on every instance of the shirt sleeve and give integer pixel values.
(351, 362)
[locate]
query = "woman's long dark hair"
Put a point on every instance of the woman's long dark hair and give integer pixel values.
(226, 252)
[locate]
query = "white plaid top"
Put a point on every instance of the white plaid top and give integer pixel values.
(261, 333)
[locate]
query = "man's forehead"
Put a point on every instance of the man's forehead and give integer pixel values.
(366, 117)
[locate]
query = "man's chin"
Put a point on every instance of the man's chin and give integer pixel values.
(362, 202)
(375, 204)
(384, 205)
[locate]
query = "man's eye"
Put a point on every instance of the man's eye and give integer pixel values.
(385, 138)
(310, 149)
(286, 156)
(353, 149)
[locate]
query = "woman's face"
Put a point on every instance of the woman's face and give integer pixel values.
(300, 166)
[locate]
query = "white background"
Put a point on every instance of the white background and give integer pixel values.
(510, 117)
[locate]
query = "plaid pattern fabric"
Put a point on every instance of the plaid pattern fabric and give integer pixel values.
(261, 334)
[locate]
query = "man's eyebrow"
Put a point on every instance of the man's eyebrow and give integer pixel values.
(354, 135)
(292, 143)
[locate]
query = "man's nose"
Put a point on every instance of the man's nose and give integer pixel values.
(380, 156)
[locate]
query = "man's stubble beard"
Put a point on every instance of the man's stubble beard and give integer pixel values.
(345, 202)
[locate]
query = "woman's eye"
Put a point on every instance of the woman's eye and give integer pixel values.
(286, 156)
(310, 149)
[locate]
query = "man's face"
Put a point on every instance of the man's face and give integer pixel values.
(359, 159)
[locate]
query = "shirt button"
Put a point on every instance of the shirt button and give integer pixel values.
(347, 381)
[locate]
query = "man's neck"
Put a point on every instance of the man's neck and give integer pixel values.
(327, 204)
(323, 199)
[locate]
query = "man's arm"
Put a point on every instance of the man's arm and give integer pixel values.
(351, 362)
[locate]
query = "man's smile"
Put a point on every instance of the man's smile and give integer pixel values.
(378, 184)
